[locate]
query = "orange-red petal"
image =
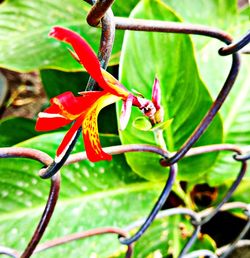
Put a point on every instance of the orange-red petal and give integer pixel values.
(90, 129)
(70, 106)
(84, 52)
(91, 139)
(48, 122)
(68, 138)
(88, 59)
(115, 85)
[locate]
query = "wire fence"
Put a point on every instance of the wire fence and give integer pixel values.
(101, 15)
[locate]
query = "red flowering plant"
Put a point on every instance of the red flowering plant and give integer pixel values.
(84, 109)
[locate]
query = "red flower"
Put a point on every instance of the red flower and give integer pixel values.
(84, 109)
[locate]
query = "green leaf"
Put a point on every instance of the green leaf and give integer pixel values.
(220, 14)
(236, 109)
(121, 9)
(242, 192)
(15, 130)
(142, 123)
(184, 95)
(166, 238)
(56, 82)
(92, 195)
(162, 125)
(25, 45)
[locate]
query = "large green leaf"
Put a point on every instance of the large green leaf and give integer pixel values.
(92, 195)
(24, 27)
(170, 57)
(236, 109)
(24, 38)
(15, 130)
(56, 82)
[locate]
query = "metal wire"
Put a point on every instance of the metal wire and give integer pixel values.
(155, 210)
(9, 252)
(176, 27)
(231, 247)
(236, 46)
(82, 235)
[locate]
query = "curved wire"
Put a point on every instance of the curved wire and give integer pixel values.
(9, 252)
(172, 27)
(191, 240)
(18, 152)
(161, 200)
(113, 150)
(234, 47)
(175, 27)
(98, 11)
(107, 38)
(200, 253)
(241, 243)
(240, 236)
(166, 213)
(53, 167)
(173, 211)
(82, 235)
(203, 125)
(46, 216)
(228, 194)
(242, 157)
(221, 147)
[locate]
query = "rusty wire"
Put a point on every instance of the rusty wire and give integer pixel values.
(101, 15)
(236, 46)
(82, 235)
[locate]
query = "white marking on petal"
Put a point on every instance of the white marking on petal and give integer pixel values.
(49, 115)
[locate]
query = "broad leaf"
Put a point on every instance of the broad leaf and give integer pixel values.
(92, 195)
(236, 109)
(56, 82)
(24, 25)
(166, 238)
(184, 96)
(218, 14)
(242, 193)
(15, 130)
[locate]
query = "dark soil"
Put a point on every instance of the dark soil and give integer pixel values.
(25, 96)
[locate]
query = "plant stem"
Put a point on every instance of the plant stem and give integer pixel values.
(183, 195)
(159, 139)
